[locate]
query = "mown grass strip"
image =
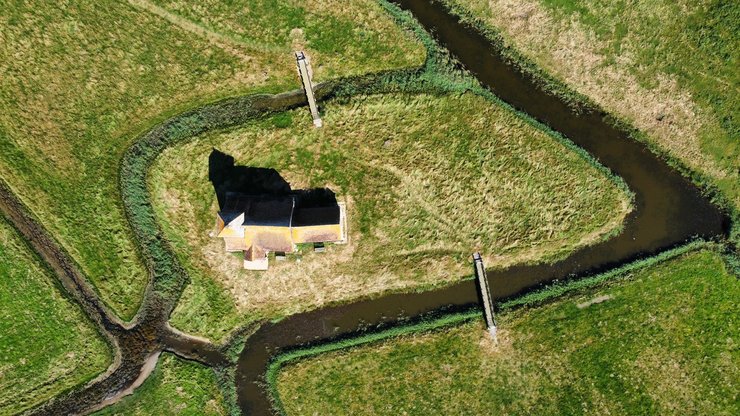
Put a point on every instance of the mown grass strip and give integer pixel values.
(47, 344)
(560, 288)
(533, 299)
(282, 359)
(646, 338)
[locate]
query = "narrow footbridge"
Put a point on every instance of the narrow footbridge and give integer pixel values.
(308, 87)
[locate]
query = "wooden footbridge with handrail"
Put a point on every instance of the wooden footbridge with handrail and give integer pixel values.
(303, 71)
(485, 294)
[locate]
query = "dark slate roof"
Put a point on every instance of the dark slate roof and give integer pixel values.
(275, 211)
(235, 202)
(228, 216)
(261, 209)
(298, 209)
(303, 217)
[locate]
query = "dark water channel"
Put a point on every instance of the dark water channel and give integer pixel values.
(669, 211)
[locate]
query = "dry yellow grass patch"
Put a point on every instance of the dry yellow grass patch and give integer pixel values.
(80, 82)
(568, 49)
(427, 181)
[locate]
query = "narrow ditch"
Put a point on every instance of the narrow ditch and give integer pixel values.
(669, 210)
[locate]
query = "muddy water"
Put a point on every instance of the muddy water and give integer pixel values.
(669, 211)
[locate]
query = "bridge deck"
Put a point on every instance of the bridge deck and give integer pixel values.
(308, 87)
(480, 273)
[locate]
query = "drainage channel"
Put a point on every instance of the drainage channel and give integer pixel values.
(669, 210)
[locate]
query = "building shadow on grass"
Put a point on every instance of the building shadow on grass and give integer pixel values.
(228, 178)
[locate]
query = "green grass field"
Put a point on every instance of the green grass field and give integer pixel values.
(427, 180)
(342, 38)
(670, 67)
(46, 343)
(176, 387)
(80, 82)
(662, 340)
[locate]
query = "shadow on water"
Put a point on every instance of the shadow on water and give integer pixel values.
(228, 178)
(669, 210)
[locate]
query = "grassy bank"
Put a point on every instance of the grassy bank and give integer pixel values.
(668, 67)
(661, 340)
(47, 345)
(342, 38)
(176, 387)
(426, 180)
(80, 82)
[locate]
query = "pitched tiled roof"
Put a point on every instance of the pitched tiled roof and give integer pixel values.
(297, 210)
(303, 217)
(265, 210)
